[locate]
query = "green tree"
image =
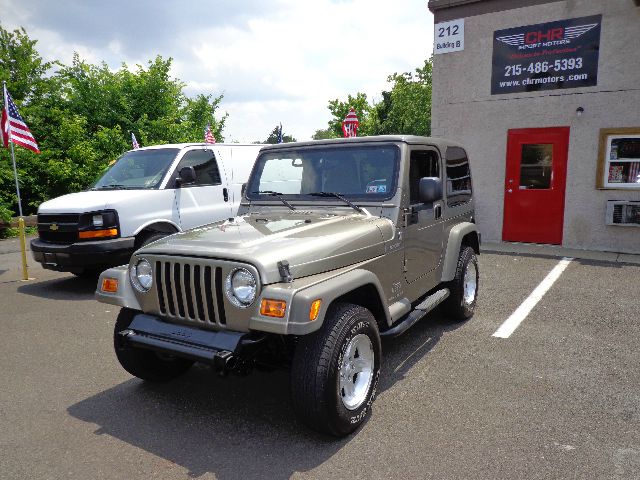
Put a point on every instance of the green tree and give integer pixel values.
(273, 137)
(406, 109)
(82, 117)
(339, 110)
(323, 134)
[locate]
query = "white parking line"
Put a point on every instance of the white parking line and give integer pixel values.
(516, 318)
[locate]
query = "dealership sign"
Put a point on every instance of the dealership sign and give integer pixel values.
(554, 55)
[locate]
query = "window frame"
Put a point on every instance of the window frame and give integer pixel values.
(176, 170)
(438, 161)
(360, 198)
(607, 135)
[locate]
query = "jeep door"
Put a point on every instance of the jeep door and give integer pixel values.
(424, 224)
(207, 199)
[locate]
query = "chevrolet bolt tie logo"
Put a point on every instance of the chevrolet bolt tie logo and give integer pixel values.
(53, 226)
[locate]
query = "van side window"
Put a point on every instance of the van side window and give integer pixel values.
(422, 163)
(205, 165)
(458, 177)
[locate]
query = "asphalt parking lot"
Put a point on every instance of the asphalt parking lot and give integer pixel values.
(558, 399)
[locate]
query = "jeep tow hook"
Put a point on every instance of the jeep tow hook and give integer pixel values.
(224, 361)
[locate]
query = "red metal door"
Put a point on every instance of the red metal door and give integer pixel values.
(535, 182)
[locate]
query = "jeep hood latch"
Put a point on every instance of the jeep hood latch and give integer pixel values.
(285, 273)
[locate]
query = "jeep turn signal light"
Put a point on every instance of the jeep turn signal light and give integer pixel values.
(110, 232)
(314, 310)
(109, 285)
(273, 308)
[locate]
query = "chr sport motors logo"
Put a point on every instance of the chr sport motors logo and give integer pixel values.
(546, 38)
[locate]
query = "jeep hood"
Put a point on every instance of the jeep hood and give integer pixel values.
(311, 242)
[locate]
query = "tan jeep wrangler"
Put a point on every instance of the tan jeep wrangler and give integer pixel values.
(337, 243)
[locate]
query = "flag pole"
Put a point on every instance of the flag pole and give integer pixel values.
(21, 232)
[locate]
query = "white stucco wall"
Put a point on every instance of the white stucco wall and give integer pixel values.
(464, 109)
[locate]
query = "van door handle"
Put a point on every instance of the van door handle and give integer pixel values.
(225, 194)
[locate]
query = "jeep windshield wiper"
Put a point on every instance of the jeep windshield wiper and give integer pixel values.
(275, 194)
(338, 196)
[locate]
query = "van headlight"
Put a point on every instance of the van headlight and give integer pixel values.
(141, 275)
(241, 287)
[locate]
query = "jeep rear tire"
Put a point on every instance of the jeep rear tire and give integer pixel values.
(335, 371)
(461, 303)
(145, 364)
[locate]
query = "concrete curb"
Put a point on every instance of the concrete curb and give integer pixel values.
(533, 249)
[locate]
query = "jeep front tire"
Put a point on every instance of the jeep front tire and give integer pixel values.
(335, 371)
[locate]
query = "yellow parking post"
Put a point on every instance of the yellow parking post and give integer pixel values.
(23, 248)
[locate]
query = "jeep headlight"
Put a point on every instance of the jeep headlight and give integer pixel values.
(141, 275)
(241, 287)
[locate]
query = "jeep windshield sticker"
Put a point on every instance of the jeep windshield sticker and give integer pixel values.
(377, 189)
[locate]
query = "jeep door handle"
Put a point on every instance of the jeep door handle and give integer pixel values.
(437, 211)
(225, 194)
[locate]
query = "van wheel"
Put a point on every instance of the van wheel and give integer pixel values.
(89, 273)
(335, 371)
(148, 237)
(145, 364)
(463, 296)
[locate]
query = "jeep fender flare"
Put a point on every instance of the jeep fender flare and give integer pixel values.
(124, 296)
(331, 290)
(456, 237)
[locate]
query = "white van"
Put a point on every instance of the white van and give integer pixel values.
(148, 193)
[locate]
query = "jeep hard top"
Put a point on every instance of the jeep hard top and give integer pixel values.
(336, 244)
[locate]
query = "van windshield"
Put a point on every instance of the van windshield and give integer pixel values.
(356, 172)
(138, 169)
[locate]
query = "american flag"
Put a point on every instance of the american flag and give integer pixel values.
(280, 134)
(134, 143)
(13, 127)
(350, 124)
(4, 138)
(208, 135)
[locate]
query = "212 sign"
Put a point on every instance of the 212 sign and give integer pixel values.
(449, 36)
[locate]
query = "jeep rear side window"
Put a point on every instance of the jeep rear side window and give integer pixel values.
(204, 163)
(458, 177)
(422, 163)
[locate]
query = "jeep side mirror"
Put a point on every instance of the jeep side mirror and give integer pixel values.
(186, 176)
(430, 189)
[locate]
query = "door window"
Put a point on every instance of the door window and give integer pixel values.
(535, 166)
(422, 163)
(204, 163)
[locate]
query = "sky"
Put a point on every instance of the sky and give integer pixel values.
(274, 61)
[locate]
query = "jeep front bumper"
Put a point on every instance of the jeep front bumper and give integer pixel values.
(214, 348)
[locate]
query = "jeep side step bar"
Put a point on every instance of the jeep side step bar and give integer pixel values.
(428, 304)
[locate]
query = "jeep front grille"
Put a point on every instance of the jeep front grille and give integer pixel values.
(190, 292)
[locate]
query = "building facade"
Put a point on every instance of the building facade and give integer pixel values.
(545, 94)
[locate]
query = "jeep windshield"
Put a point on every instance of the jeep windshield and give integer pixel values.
(358, 173)
(137, 169)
